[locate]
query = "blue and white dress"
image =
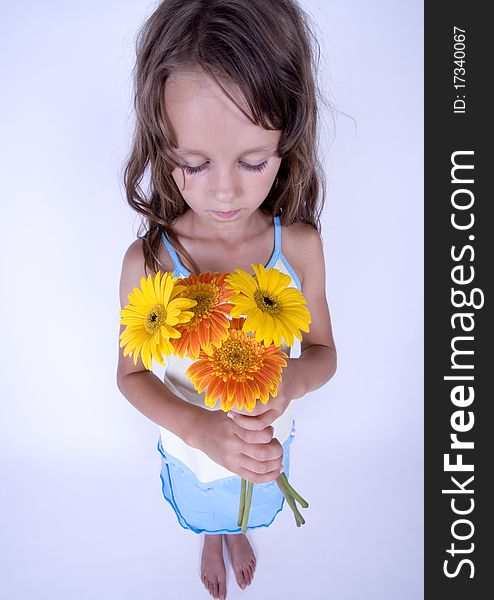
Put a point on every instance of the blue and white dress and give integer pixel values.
(205, 495)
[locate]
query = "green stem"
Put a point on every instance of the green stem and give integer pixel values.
(242, 503)
(299, 519)
(295, 494)
(248, 500)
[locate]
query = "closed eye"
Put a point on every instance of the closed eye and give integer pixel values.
(256, 168)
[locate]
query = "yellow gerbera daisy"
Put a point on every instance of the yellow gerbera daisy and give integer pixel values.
(273, 310)
(151, 316)
(209, 325)
(239, 372)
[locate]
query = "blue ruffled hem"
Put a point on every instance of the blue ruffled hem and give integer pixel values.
(212, 507)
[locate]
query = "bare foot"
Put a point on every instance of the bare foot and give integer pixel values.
(213, 572)
(242, 558)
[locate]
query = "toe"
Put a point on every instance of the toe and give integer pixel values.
(222, 590)
(241, 580)
(246, 576)
(215, 589)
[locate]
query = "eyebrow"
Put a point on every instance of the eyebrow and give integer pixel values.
(199, 153)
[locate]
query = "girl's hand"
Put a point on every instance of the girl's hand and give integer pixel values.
(253, 455)
(263, 414)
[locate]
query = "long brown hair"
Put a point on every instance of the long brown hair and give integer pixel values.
(267, 50)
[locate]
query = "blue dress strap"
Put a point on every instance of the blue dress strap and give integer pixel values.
(277, 235)
(180, 270)
(277, 243)
(278, 254)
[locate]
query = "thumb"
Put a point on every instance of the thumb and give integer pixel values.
(245, 421)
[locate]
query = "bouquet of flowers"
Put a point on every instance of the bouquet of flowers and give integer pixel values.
(232, 325)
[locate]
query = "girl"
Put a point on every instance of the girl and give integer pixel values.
(225, 101)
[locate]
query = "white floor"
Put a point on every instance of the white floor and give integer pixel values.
(99, 530)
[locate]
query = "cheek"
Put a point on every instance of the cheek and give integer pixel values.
(273, 169)
(179, 178)
(188, 185)
(189, 189)
(269, 176)
(264, 183)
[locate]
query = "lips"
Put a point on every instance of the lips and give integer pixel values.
(225, 214)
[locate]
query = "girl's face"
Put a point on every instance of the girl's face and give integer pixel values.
(230, 164)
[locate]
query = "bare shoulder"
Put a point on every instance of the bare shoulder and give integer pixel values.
(134, 253)
(132, 268)
(302, 246)
(133, 261)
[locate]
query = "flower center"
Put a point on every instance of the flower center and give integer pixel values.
(238, 357)
(235, 356)
(267, 302)
(206, 295)
(155, 318)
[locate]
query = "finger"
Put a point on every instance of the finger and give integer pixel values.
(258, 409)
(255, 436)
(263, 452)
(258, 477)
(260, 467)
(253, 422)
(243, 411)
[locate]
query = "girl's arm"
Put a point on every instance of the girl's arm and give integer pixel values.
(255, 456)
(141, 387)
(317, 362)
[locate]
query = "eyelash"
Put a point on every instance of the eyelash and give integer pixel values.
(257, 168)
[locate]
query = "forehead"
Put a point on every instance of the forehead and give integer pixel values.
(203, 118)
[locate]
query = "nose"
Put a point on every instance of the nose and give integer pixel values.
(224, 187)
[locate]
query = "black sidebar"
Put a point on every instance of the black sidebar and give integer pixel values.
(459, 336)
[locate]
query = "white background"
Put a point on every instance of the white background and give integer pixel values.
(81, 514)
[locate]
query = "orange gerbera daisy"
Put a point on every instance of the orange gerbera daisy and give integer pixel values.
(209, 325)
(239, 372)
